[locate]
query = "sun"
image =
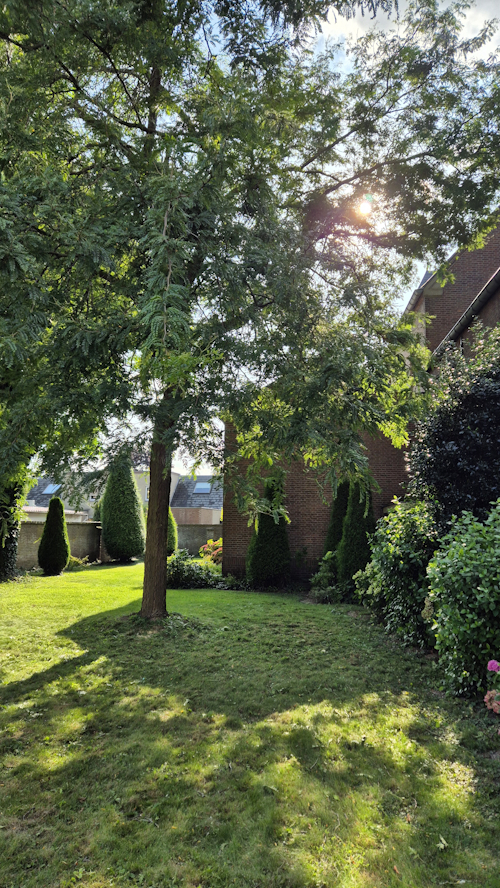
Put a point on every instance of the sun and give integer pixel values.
(365, 208)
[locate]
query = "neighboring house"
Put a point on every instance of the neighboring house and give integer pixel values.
(197, 508)
(474, 293)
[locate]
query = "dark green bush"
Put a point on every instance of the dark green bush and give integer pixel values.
(323, 588)
(9, 531)
(337, 515)
(464, 580)
(353, 552)
(172, 538)
(53, 551)
(97, 510)
(122, 516)
(455, 457)
(394, 584)
(268, 555)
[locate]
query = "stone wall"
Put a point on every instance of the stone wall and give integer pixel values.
(83, 541)
(192, 536)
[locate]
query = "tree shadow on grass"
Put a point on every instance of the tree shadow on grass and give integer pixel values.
(198, 754)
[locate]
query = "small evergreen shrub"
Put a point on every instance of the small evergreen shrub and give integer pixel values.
(97, 510)
(172, 537)
(122, 517)
(212, 550)
(464, 580)
(394, 584)
(268, 555)
(75, 563)
(337, 515)
(323, 587)
(353, 552)
(53, 551)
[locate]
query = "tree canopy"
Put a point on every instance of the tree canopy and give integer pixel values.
(181, 230)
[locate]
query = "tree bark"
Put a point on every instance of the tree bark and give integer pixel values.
(154, 603)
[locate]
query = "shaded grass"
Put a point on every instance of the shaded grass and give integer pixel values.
(253, 741)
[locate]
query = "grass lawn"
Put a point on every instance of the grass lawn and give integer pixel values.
(256, 741)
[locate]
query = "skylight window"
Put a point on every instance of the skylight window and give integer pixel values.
(202, 487)
(52, 488)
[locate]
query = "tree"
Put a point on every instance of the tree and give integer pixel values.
(54, 550)
(193, 233)
(268, 556)
(122, 517)
(353, 553)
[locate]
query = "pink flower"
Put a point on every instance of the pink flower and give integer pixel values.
(493, 666)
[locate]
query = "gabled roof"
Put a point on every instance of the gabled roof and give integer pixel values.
(185, 496)
(37, 493)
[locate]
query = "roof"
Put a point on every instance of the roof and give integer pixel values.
(185, 496)
(37, 493)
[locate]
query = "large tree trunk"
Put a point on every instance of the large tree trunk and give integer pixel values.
(154, 605)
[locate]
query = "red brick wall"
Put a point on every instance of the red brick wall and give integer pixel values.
(472, 271)
(309, 513)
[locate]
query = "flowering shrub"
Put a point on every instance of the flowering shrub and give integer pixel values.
(212, 550)
(492, 698)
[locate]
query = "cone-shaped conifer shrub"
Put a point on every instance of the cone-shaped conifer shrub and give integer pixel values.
(171, 533)
(353, 552)
(122, 516)
(268, 556)
(54, 551)
(337, 515)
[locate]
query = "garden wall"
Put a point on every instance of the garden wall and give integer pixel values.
(83, 541)
(192, 536)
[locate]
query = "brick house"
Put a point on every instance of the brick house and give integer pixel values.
(474, 293)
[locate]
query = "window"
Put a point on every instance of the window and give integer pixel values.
(52, 488)
(202, 487)
(147, 494)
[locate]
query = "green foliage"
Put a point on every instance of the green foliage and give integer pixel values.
(268, 555)
(54, 550)
(464, 580)
(323, 588)
(394, 584)
(9, 531)
(212, 550)
(455, 458)
(353, 552)
(337, 515)
(122, 517)
(172, 537)
(75, 563)
(184, 573)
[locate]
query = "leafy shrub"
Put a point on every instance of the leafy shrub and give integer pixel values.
(10, 498)
(122, 517)
(184, 573)
(464, 579)
(268, 556)
(394, 584)
(172, 538)
(212, 550)
(323, 588)
(53, 551)
(353, 552)
(455, 458)
(337, 515)
(75, 563)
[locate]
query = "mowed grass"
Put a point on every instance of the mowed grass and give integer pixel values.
(256, 740)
